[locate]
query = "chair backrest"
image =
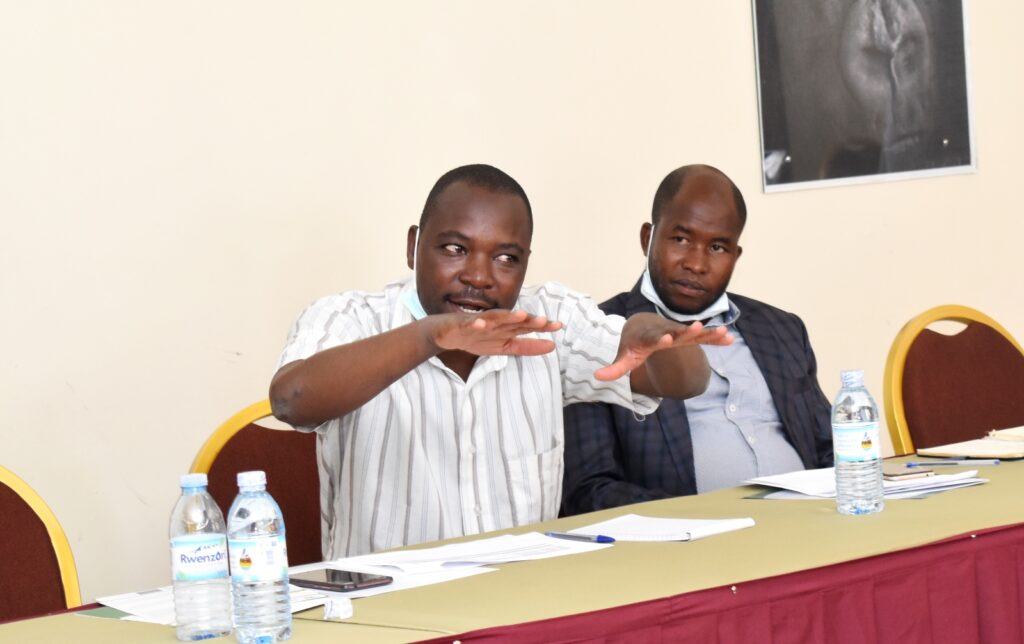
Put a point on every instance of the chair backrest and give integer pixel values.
(289, 459)
(37, 569)
(943, 389)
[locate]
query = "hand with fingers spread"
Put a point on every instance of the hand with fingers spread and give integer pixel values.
(493, 332)
(662, 357)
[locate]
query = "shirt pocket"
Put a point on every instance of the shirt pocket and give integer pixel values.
(535, 483)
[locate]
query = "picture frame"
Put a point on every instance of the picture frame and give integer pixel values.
(855, 91)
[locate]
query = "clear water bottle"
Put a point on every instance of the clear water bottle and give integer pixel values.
(259, 564)
(858, 453)
(199, 563)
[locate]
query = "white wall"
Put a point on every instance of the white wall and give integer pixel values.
(177, 180)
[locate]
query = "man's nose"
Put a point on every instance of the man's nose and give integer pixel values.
(477, 272)
(695, 260)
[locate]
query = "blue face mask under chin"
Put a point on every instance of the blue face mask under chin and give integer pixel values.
(411, 298)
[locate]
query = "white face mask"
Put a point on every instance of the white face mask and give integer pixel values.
(411, 298)
(719, 306)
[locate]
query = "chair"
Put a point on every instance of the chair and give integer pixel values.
(942, 389)
(289, 459)
(37, 569)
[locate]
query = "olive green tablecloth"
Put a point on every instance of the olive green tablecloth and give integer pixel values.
(789, 536)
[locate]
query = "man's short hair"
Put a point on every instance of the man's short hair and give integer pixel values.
(481, 176)
(673, 182)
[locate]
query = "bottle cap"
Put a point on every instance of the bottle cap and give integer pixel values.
(195, 479)
(249, 479)
(852, 378)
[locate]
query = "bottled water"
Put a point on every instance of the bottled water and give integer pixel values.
(199, 563)
(259, 564)
(855, 442)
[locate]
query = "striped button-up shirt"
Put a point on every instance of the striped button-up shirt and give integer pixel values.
(434, 456)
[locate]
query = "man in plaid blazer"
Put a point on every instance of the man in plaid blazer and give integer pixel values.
(763, 412)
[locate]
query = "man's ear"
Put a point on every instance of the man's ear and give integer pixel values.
(739, 251)
(645, 237)
(410, 247)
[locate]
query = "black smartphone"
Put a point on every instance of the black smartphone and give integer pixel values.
(339, 581)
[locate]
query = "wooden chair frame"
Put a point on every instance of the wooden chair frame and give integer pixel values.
(58, 539)
(215, 443)
(895, 413)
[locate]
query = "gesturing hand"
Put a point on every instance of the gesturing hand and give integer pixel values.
(647, 333)
(493, 332)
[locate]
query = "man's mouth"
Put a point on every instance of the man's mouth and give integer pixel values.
(467, 305)
(688, 288)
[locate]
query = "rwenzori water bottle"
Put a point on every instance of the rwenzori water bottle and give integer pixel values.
(855, 442)
(259, 564)
(199, 563)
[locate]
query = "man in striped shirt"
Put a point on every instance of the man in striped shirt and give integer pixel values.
(438, 402)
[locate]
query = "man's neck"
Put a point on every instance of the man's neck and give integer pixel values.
(459, 361)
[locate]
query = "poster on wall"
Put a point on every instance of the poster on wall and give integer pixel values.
(852, 91)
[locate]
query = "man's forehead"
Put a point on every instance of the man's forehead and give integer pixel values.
(462, 204)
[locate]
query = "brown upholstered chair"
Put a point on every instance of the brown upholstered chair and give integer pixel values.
(37, 569)
(943, 389)
(289, 459)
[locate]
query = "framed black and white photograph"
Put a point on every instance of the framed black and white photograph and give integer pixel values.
(852, 91)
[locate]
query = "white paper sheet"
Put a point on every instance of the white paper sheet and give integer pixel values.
(400, 580)
(503, 549)
(633, 527)
(821, 483)
(156, 606)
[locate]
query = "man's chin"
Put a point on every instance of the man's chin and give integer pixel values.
(689, 308)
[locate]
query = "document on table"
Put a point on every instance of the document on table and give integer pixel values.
(633, 527)
(821, 483)
(999, 443)
(156, 606)
(400, 580)
(503, 549)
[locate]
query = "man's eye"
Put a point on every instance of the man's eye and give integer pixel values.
(452, 249)
(718, 248)
(679, 240)
(505, 258)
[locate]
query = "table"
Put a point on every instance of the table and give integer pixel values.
(945, 568)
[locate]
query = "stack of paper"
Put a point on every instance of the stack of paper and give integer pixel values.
(821, 484)
(633, 527)
(1000, 443)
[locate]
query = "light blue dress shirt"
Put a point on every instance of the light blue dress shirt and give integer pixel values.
(734, 426)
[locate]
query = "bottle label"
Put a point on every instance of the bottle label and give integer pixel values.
(199, 557)
(259, 559)
(856, 442)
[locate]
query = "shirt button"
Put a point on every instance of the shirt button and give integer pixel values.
(477, 511)
(732, 407)
(751, 440)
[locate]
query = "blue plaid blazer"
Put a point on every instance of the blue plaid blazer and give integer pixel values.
(613, 459)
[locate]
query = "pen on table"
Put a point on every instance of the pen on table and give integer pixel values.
(593, 538)
(971, 461)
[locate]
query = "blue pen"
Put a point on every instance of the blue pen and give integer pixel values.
(593, 538)
(960, 462)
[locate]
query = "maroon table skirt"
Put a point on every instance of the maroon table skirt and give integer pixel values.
(961, 590)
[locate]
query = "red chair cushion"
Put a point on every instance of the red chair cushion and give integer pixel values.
(289, 459)
(30, 581)
(958, 387)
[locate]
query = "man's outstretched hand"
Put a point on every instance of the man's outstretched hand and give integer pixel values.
(647, 333)
(493, 332)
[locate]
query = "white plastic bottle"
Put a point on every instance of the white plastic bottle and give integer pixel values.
(199, 563)
(259, 564)
(855, 442)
